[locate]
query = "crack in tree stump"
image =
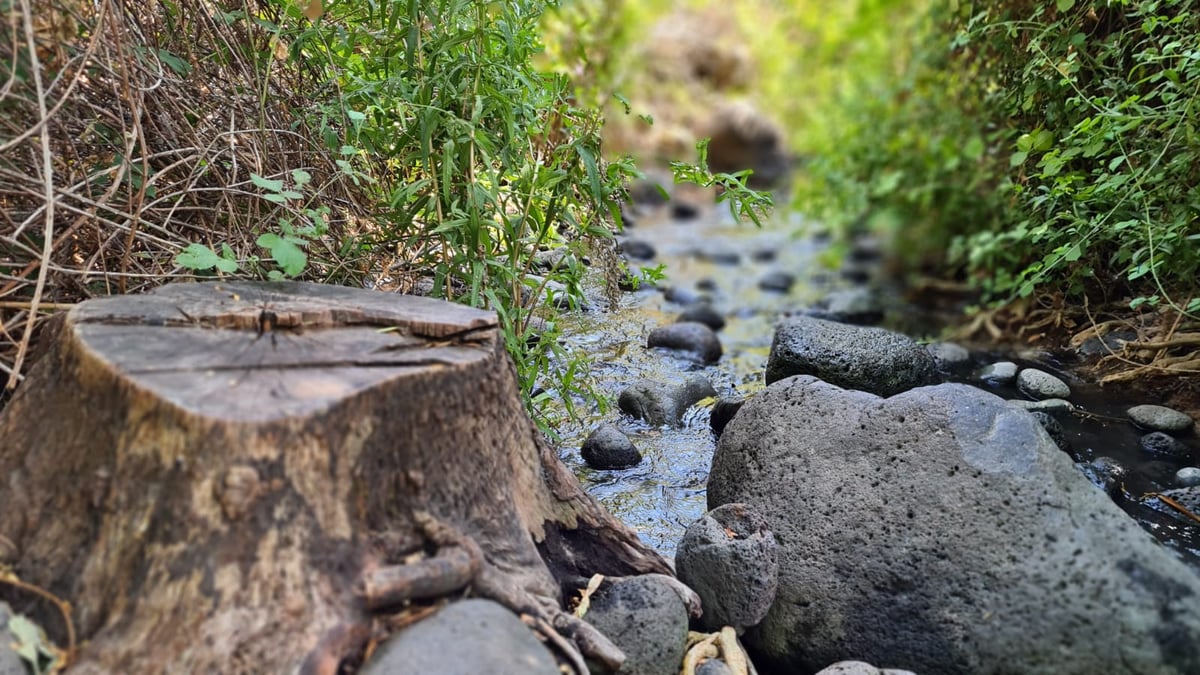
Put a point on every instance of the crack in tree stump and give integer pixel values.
(233, 478)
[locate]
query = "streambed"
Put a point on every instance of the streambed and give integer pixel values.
(711, 256)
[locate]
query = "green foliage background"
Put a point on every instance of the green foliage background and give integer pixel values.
(1036, 147)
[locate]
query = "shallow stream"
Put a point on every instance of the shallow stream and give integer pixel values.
(711, 256)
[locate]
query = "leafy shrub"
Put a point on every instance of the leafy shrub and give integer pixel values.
(1054, 144)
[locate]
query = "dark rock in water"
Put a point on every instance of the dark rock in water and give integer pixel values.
(1054, 428)
(705, 314)
(777, 281)
(866, 249)
(646, 619)
(729, 558)
(949, 357)
(681, 295)
(1164, 445)
(467, 636)
(941, 531)
(1107, 474)
(1040, 385)
(706, 284)
(607, 447)
(628, 221)
(681, 210)
(1188, 476)
(850, 305)
(658, 404)
(857, 273)
(722, 412)
(696, 340)
(763, 255)
(999, 373)
(1159, 418)
(855, 357)
(636, 249)
(1110, 343)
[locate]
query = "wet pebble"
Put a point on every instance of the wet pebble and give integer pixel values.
(999, 373)
(1040, 385)
(1105, 473)
(1159, 418)
(695, 339)
(658, 403)
(764, 255)
(777, 281)
(636, 249)
(1188, 476)
(607, 447)
(681, 210)
(949, 356)
(851, 305)
(1164, 445)
(856, 273)
(706, 284)
(1050, 405)
(704, 313)
(1054, 429)
(682, 295)
(719, 257)
(723, 412)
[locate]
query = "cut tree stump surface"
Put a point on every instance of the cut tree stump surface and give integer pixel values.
(250, 477)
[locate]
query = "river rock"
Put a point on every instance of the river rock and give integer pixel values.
(742, 137)
(646, 619)
(682, 295)
(713, 667)
(467, 636)
(777, 281)
(607, 447)
(636, 249)
(1053, 428)
(723, 411)
(702, 312)
(1110, 343)
(661, 404)
(999, 373)
(1107, 474)
(855, 357)
(1040, 385)
(718, 256)
(1159, 418)
(1188, 476)
(941, 531)
(729, 558)
(684, 210)
(695, 339)
(850, 305)
(949, 357)
(860, 668)
(1164, 445)
(11, 662)
(651, 191)
(1050, 405)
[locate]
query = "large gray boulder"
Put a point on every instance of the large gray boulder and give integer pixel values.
(941, 531)
(855, 357)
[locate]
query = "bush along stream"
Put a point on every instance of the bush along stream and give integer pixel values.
(896, 496)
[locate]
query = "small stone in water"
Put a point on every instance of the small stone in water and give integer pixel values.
(949, 356)
(1163, 445)
(1038, 384)
(1159, 418)
(609, 448)
(1050, 405)
(777, 281)
(638, 249)
(695, 339)
(999, 373)
(1188, 476)
(703, 313)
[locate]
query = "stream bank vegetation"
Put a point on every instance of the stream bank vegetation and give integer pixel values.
(1053, 147)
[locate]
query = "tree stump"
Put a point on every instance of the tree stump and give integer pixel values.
(239, 478)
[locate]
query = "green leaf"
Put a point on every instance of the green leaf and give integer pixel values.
(290, 257)
(1017, 158)
(1064, 5)
(974, 148)
(175, 63)
(266, 183)
(30, 642)
(301, 177)
(200, 257)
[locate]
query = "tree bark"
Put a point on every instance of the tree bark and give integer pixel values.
(239, 478)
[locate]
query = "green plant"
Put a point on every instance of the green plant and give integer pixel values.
(744, 202)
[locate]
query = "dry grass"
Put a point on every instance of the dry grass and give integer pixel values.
(130, 129)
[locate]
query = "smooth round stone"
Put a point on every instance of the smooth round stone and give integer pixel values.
(948, 355)
(1163, 445)
(638, 249)
(1159, 418)
(780, 282)
(1188, 476)
(1041, 385)
(1050, 405)
(1001, 372)
(702, 312)
(607, 447)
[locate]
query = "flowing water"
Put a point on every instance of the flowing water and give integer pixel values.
(714, 257)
